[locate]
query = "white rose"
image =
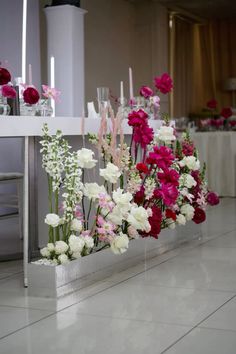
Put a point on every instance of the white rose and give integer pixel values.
(121, 199)
(191, 162)
(61, 247)
(50, 247)
(76, 243)
(89, 241)
(52, 220)
(170, 223)
(45, 252)
(92, 190)
(111, 173)
(116, 216)
(76, 225)
(166, 134)
(63, 259)
(180, 219)
(85, 158)
(120, 244)
(187, 180)
(132, 232)
(138, 218)
(188, 211)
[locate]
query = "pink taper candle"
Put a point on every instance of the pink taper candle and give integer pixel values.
(131, 89)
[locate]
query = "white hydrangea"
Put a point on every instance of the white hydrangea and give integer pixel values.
(85, 158)
(63, 259)
(111, 173)
(76, 225)
(52, 220)
(188, 211)
(180, 219)
(89, 241)
(165, 134)
(92, 190)
(45, 252)
(191, 162)
(61, 247)
(76, 244)
(120, 243)
(138, 218)
(51, 247)
(186, 180)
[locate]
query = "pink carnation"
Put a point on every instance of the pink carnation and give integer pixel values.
(168, 193)
(8, 91)
(164, 83)
(161, 156)
(169, 176)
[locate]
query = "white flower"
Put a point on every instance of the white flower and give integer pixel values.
(191, 162)
(188, 211)
(120, 244)
(111, 173)
(92, 190)
(187, 180)
(166, 134)
(45, 252)
(50, 247)
(180, 219)
(76, 225)
(116, 216)
(76, 255)
(121, 199)
(89, 241)
(170, 223)
(132, 232)
(52, 220)
(61, 247)
(138, 218)
(63, 259)
(85, 158)
(76, 243)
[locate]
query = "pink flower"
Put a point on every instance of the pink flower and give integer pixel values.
(168, 193)
(217, 122)
(169, 176)
(226, 112)
(50, 92)
(161, 156)
(137, 118)
(143, 135)
(187, 148)
(212, 198)
(105, 201)
(156, 101)
(105, 228)
(8, 91)
(164, 83)
(212, 104)
(146, 91)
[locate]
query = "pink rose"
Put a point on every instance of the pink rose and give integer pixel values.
(8, 91)
(164, 83)
(146, 91)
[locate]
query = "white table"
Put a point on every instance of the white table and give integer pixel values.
(20, 126)
(218, 150)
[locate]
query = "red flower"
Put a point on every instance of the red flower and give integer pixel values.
(187, 148)
(226, 112)
(169, 176)
(164, 83)
(199, 216)
(212, 104)
(146, 91)
(155, 222)
(141, 167)
(31, 95)
(168, 193)
(137, 118)
(161, 156)
(212, 198)
(139, 197)
(170, 214)
(5, 76)
(143, 135)
(8, 91)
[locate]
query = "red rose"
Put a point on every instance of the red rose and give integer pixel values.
(5, 76)
(212, 198)
(226, 112)
(146, 91)
(212, 104)
(164, 83)
(199, 216)
(31, 95)
(8, 91)
(170, 214)
(141, 167)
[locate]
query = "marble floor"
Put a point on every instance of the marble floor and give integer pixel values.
(180, 302)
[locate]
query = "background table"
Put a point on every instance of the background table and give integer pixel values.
(218, 150)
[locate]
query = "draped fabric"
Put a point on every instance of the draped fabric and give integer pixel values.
(203, 56)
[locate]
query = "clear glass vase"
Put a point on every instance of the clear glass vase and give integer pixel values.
(27, 109)
(4, 106)
(44, 109)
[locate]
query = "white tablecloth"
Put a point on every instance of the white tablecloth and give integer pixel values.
(218, 150)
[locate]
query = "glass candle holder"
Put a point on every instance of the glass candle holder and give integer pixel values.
(103, 99)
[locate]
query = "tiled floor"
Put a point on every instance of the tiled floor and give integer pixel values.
(182, 302)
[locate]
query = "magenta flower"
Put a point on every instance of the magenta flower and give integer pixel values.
(168, 193)
(31, 95)
(143, 135)
(169, 176)
(146, 91)
(8, 91)
(161, 156)
(5, 76)
(137, 118)
(164, 83)
(187, 148)
(50, 92)
(226, 112)
(212, 198)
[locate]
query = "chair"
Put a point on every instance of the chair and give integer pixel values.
(8, 200)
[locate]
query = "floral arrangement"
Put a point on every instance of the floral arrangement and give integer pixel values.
(154, 183)
(216, 120)
(6, 89)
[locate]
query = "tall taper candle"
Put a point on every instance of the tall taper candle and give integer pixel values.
(30, 75)
(23, 48)
(121, 92)
(52, 81)
(131, 88)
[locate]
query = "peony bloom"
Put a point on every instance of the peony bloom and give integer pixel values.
(92, 190)
(50, 92)
(188, 211)
(146, 91)
(226, 112)
(85, 158)
(169, 176)
(168, 193)
(199, 216)
(166, 134)
(76, 225)
(8, 91)
(31, 95)
(137, 118)
(212, 198)
(191, 162)
(143, 135)
(61, 247)
(163, 83)
(155, 223)
(5, 76)
(120, 244)
(138, 218)
(52, 220)
(212, 104)
(161, 156)
(111, 173)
